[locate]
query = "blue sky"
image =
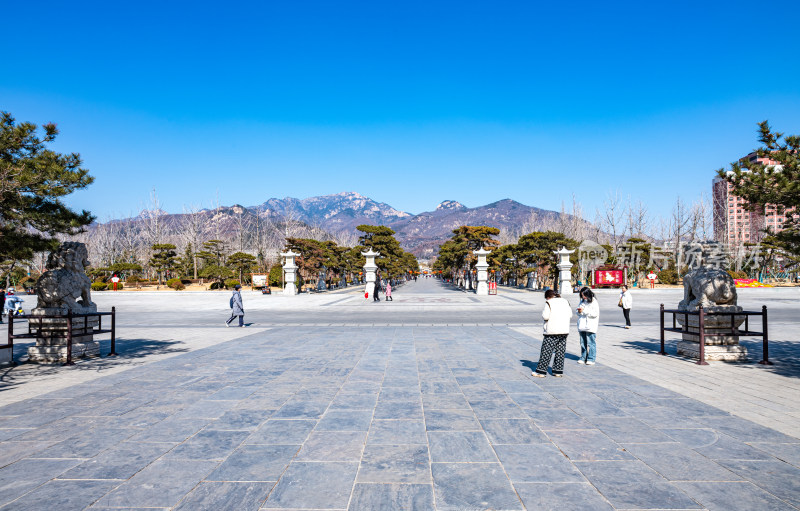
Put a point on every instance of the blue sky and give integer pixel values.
(409, 103)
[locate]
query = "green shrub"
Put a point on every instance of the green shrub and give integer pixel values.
(275, 275)
(668, 277)
(110, 285)
(132, 279)
(217, 285)
(230, 283)
(175, 284)
(99, 286)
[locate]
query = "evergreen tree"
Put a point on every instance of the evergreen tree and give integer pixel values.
(312, 256)
(33, 179)
(456, 252)
(392, 261)
(186, 262)
(163, 259)
(276, 275)
(213, 252)
(777, 184)
(538, 249)
(241, 263)
(217, 273)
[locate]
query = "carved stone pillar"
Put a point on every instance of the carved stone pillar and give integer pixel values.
(290, 269)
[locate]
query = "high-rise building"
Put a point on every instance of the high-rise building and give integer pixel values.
(733, 223)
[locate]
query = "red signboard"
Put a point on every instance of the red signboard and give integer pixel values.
(614, 278)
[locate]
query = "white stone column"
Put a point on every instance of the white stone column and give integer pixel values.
(482, 266)
(564, 267)
(370, 268)
(290, 269)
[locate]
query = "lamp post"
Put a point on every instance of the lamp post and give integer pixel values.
(290, 269)
(370, 267)
(564, 267)
(531, 280)
(482, 266)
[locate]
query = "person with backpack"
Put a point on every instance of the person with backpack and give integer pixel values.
(556, 315)
(237, 308)
(588, 321)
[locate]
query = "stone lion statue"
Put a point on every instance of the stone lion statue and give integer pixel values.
(708, 287)
(65, 279)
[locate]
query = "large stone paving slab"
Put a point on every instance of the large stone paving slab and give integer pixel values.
(363, 418)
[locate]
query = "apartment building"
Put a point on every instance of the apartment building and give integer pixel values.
(733, 223)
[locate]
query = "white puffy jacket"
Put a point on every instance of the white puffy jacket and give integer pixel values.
(589, 319)
(556, 315)
(627, 299)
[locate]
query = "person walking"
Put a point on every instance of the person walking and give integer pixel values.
(556, 315)
(588, 321)
(388, 291)
(626, 301)
(237, 308)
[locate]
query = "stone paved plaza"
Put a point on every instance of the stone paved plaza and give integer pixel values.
(334, 402)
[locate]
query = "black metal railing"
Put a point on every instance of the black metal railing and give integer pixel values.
(38, 329)
(701, 333)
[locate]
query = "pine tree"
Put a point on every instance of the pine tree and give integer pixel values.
(163, 259)
(241, 263)
(33, 179)
(778, 184)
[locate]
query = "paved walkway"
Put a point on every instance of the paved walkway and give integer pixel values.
(385, 417)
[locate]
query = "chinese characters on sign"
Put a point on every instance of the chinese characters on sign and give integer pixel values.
(609, 277)
(641, 257)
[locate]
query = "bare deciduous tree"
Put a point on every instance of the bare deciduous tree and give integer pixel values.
(192, 230)
(638, 221)
(611, 217)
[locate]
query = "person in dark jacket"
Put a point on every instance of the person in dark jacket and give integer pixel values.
(237, 308)
(2, 302)
(376, 290)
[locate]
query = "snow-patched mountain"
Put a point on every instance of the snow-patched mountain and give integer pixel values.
(420, 234)
(338, 212)
(450, 205)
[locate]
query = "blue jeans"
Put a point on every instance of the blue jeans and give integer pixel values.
(588, 347)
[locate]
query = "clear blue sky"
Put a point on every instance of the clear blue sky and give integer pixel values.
(409, 103)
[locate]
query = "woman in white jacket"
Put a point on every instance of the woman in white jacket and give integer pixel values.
(626, 302)
(556, 315)
(588, 321)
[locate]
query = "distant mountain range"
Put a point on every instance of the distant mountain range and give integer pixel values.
(340, 213)
(420, 234)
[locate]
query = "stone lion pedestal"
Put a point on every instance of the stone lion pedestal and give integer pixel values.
(51, 347)
(59, 289)
(715, 291)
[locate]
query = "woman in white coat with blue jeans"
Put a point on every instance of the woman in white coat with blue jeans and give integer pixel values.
(588, 321)
(556, 315)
